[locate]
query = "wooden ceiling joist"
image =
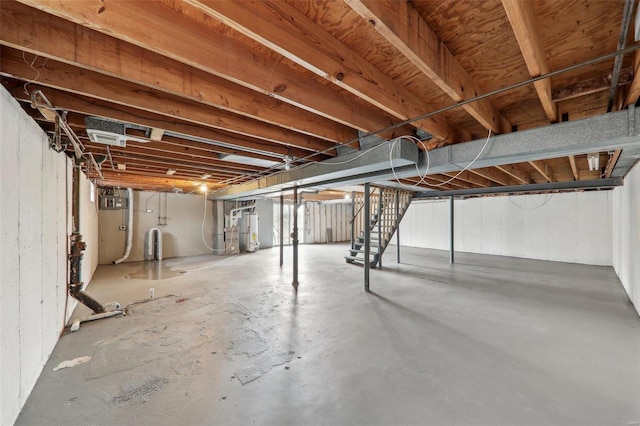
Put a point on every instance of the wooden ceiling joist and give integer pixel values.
(470, 178)
(521, 15)
(515, 172)
(574, 169)
(200, 44)
(541, 168)
(44, 35)
(88, 83)
(591, 85)
(281, 27)
(401, 24)
(494, 175)
(99, 108)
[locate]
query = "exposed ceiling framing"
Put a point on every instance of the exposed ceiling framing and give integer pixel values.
(227, 93)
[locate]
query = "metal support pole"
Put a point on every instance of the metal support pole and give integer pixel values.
(380, 191)
(353, 218)
(367, 234)
(281, 230)
(451, 233)
(398, 223)
(294, 235)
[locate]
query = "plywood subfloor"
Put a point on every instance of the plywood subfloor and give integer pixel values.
(490, 340)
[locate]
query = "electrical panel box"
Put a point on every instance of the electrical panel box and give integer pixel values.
(113, 202)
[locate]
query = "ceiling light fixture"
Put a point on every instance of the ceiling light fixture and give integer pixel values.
(594, 161)
(203, 188)
(171, 172)
(205, 176)
(287, 162)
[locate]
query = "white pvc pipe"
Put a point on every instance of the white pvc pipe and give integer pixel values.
(127, 249)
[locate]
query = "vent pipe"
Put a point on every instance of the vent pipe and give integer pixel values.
(129, 243)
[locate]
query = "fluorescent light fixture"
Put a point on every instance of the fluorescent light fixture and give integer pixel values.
(249, 161)
(205, 176)
(171, 172)
(594, 161)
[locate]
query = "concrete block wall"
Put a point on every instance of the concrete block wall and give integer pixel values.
(181, 236)
(626, 234)
(569, 227)
(35, 186)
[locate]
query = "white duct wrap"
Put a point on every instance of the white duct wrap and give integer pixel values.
(154, 244)
(129, 237)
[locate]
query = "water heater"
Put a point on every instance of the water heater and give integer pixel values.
(252, 233)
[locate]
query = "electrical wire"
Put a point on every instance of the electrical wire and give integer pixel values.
(531, 80)
(422, 177)
(547, 198)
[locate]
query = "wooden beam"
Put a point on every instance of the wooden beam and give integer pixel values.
(542, 170)
(515, 172)
(574, 168)
(612, 163)
(521, 15)
(634, 89)
(171, 143)
(401, 24)
(150, 183)
(284, 29)
(471, 178)
(236, 144)
(131, 21)
(591, 85)
(431, 183)
(48, 36)
(156, 134)
(143, 152)
(88, 83)
(494, 175)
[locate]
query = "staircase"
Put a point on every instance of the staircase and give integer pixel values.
(387, 207)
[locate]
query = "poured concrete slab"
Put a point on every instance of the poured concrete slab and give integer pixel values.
(490, 340)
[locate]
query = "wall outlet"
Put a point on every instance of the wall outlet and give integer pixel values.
(123, 227)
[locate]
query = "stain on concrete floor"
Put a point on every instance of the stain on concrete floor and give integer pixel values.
(232, 344)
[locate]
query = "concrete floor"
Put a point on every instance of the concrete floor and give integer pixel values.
(488, 341)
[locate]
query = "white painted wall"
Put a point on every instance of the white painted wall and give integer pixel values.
(570, 227)
(626, 234)
(35, 186)
(181, 236)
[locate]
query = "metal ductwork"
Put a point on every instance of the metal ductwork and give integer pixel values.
(108, 132)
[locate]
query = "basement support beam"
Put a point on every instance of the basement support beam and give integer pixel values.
(367, 233)
(451, 232)
(295, 283)
(398, 224)
(536, 187)
(616, 130)
(281, 229)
